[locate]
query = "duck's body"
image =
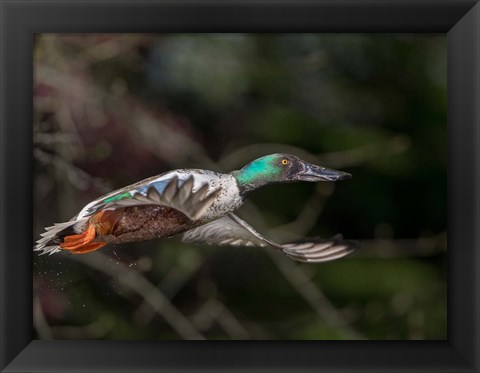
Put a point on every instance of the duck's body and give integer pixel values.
(198, 203)
(145, 222)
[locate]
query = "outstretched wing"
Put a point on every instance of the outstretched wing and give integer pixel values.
(229, 230)
(175, 194)
(233, 231)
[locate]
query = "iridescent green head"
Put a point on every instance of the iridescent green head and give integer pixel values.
(282, 168)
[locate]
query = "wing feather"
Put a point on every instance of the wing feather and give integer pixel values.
(179, 196)
(233, 231)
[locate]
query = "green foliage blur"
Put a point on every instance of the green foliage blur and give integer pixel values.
(112, 109)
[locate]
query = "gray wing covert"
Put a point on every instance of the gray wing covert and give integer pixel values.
(180, 197)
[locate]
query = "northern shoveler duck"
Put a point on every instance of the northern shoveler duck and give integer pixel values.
(197, 203)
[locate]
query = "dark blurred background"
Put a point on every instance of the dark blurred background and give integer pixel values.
(112, 109)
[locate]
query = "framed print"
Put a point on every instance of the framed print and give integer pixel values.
(222, 101)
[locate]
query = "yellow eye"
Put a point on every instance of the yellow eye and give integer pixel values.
(284, 161)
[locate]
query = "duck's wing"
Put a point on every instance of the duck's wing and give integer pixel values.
(233, 231)
(176, 194)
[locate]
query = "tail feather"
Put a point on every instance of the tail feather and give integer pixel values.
(53, 236)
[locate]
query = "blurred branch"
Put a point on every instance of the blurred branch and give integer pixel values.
(171, 284)
(134, 281)
(213, 310)
(160, 134)
(77, 177)
(161, 137)
(108, 49)
(297, 277)
(306, 220)
(357, 156)
(231, 324)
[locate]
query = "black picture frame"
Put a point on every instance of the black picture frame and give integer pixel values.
(460, 19)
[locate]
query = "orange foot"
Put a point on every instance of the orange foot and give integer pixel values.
(83, 242)
(88, 248)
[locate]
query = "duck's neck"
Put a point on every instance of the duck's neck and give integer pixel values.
(253, 176)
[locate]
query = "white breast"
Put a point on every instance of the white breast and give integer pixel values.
(229, 197)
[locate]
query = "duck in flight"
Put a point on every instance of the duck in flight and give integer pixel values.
(196, 203)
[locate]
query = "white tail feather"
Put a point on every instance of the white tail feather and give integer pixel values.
(47, 245)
